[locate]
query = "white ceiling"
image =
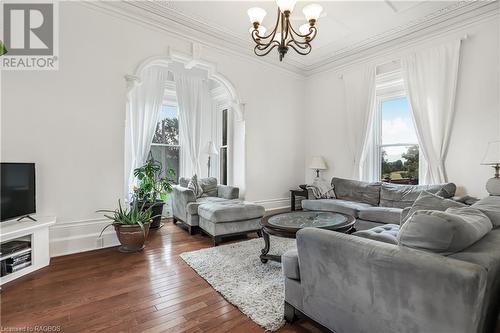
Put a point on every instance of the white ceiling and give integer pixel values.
(343, 23)
(347, 30)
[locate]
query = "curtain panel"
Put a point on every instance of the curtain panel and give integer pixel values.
(431, 78)
(359, 88)
(144, 102)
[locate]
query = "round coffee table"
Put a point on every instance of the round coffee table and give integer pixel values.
(287, 224)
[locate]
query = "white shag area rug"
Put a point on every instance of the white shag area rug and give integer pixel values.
(235, 271)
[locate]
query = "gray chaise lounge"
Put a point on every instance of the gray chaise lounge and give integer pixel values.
(185, 204)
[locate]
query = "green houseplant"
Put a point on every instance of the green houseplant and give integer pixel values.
(152, 189)
(131, 226)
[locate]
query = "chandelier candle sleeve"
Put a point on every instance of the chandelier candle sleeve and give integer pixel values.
(283, 36)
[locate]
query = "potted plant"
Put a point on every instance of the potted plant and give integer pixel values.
(131, 226)
(152, 189)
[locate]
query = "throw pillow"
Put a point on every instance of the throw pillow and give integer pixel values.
(321, 189)
(194, 186)
(491, 207)
(429, 201)
(444, 232)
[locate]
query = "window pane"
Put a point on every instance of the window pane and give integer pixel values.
(397, 122)
(167, 128)
(224, 127)
(400, 164)
(168, 156)
(223, 163)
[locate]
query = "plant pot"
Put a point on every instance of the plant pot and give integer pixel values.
(157, 209)
(131, 236)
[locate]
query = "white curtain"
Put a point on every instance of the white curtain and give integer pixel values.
(431, 76)
(193, 98)
(143, 109)
(360, 99)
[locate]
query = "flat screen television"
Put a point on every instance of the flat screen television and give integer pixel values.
(17, 190)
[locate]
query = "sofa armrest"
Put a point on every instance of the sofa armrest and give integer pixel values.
(228, 192)
(180, 198)
(389, 286)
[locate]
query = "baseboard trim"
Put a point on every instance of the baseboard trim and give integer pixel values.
(273, 204)
(80, 236)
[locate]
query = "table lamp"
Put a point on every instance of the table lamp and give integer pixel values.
(492, 158)
(317, 163)
(210, 150)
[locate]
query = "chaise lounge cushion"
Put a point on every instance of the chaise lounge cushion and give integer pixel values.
(490, 206)
(353, 190)
(381, 214)
(444, 232)
(192, 207)
(230, 211)
(402, 196)
(387, 233)
(335, 205)
(429, 201)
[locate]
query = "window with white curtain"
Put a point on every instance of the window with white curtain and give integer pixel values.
(395, 134)
(165, 147)
(223, 149)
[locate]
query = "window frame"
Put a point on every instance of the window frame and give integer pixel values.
(223, 167)
(389, 86)
(176, 105)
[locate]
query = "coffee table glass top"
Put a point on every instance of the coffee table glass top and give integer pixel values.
(300, 220)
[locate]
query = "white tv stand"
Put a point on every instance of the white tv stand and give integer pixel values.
(37, 232)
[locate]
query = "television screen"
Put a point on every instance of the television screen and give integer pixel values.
(17, 187)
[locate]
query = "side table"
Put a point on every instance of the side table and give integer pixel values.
(302, 192)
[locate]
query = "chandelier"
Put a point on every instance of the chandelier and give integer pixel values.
(284, 36)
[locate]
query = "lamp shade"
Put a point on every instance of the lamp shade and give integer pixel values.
(492, 156)
(286, 5)
(256, 15)
(312, 11)
(210, 149)
(317, 163)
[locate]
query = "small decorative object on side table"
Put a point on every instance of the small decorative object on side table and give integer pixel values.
(492, 158)
(302, 192)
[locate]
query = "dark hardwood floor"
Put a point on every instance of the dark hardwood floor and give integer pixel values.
(108, 291)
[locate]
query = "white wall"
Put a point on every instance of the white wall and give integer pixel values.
(70, 122)
(477, 118)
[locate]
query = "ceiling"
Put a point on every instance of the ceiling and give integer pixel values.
(345, 28)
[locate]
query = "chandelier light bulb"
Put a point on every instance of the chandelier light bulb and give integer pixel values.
(304, 28)
(256, 15)
(312, 11)
(286, 5)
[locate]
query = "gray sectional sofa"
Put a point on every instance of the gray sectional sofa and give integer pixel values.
(374, 204)
(353, 284)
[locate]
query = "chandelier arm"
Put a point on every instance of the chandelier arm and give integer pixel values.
(303, 45)
(285, 27)
(273, 33)
(265, 53)
(300, 52)
(312, 33)
(263, 47)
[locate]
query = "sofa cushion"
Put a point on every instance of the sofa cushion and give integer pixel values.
(381, 214)
(490, 206)
(402, 196)
(429, 201)
(444, 232)
(353, 190)
(209, 186)
(335, 205)
(183, 181)
(192, 207)
(387, 233)
(230, 211)
(290, 264)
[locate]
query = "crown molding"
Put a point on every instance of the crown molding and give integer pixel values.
(160, 16)
(165, 16)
